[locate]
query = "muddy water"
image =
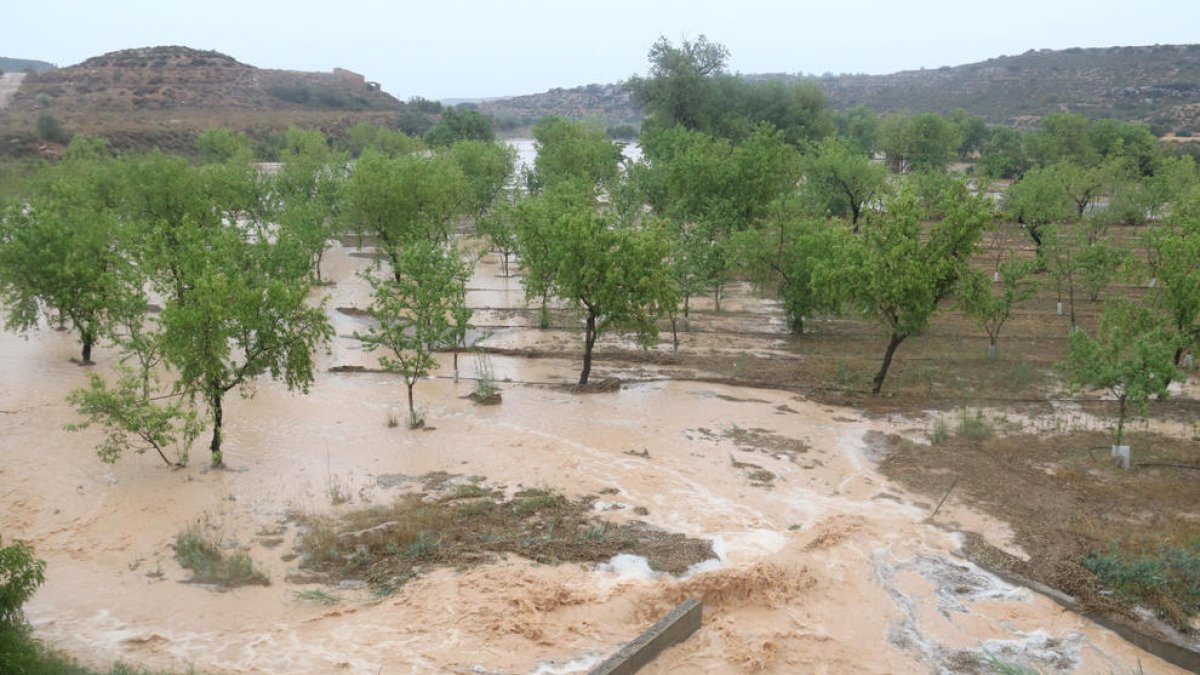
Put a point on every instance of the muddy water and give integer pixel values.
(823, 567)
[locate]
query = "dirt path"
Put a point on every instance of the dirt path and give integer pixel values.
(824, 566)
(9, 84)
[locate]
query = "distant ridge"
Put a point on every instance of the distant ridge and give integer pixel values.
(1158, 85)
(10, 65)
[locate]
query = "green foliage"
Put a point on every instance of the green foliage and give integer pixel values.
(422, 308)
(781, 254)
(687, 86)
(1167, 579)
(940, 433)
(218, 146)
(1174, 255)
(197, 548)
(1130, 356)
(924, 142)
(893, 274)
(487, 168)
(990, 310)
(680, 81)
(1063, 137)
(62, 252)
(573, 151)
(841, 180)
(1003, 155)
(49, 129)
(709, 190)
(133, 420)
(389, 142)
(460, 125)
(309, 186)
(404, 199)
(616, 276)
(1097, 265)
(20, 575)
(498, 227)
(1037, 200)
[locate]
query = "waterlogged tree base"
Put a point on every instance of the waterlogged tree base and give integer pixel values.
(607, 385)
(493, 398)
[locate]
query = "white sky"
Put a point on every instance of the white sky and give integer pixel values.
(475, 48)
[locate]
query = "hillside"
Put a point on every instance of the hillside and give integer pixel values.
(9, 65)
(608, 102)
(164, 96)
(162, 78)
(1159, 85)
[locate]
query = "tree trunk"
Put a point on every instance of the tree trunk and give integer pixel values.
(412, 410)
(1178, 355)
(717, 298)
(86, 354)
(589, 341)
(1121, 420)
(218, 419)
(897, 338)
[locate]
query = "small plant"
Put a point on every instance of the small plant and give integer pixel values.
(940, 433)
(393, 420)
(532, 501)
(320, 597)
(485, 380)
(335, 488)
(974, 426)
(197, 549)
(422, 546)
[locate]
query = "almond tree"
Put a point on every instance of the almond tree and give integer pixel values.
(1129, 356)
(895, 273)
(420, 309)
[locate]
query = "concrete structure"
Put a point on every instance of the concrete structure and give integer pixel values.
(670, 630)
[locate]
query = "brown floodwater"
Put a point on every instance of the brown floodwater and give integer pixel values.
(824, 567)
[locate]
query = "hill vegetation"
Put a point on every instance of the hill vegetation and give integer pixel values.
(1158, 85)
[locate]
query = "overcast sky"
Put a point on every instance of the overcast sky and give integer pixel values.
(475, 48)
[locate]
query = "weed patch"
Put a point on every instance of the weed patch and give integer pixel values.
(468, 525)
(197, 549)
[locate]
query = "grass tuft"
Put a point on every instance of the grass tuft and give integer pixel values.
(197, 549)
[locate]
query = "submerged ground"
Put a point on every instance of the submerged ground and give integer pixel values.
(823, 564)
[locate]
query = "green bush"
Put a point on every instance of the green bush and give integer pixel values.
(20, 575)
(1168, 579)
(49, 129)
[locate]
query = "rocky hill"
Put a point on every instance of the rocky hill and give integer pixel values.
(166, 96)
(180, 78)
(1159, 85)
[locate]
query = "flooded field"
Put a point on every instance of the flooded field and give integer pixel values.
(821, 564)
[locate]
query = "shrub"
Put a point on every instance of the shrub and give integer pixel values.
(49, 129)
(20, 575)
(1168, 579)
